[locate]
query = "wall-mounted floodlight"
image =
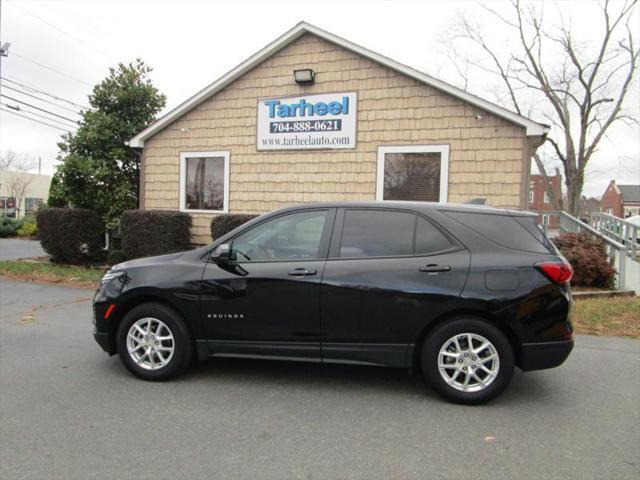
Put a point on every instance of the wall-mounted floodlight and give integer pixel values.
(4, 50)
(305, 76)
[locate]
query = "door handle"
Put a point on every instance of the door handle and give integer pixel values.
(302, 272)
(432, 268)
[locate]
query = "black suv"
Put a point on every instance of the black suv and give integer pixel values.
(463, 293)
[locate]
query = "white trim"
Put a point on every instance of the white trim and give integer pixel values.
(183, 179)
(532, 128)
(444, 166)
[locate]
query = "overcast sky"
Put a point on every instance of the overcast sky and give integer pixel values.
(63, 48)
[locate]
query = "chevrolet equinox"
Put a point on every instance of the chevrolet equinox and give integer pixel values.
(462, 293)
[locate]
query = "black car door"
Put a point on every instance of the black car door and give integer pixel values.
(264, 301)
(388, 274)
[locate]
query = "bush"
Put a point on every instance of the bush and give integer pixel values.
(70, 235)
(223, 224)
(154, 232)
(116, 256)
(29, 228)
(588, 257)
(9, 226)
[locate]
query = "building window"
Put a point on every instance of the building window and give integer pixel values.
(631, 212)
(531, 197)
(31, 205)
(546, 198)
(413, 172)
(204, 182)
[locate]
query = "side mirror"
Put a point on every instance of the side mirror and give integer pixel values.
(222, 253)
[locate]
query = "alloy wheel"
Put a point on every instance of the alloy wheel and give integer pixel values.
(468, 362)
(150, 343)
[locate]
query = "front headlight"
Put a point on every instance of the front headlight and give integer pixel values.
(111, 275)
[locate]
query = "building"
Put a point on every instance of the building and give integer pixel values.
(21, 193)
(621, 200)
(314, 117)
(539, 200)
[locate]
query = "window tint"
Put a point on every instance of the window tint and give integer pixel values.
(291, 237)
(377, 233)
(429, 239)
(501, 229)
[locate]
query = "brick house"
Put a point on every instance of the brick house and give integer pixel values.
(314, 117)
(621, 200)
(539, 200)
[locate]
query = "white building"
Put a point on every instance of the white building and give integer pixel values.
(22, 193)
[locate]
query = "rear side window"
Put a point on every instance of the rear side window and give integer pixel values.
(504, 230)
(429, 239)
(379, 233)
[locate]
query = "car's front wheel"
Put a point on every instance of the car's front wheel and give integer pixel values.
(154, 342)
(467, 360)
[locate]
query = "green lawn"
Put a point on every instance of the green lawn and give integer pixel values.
(78, 276)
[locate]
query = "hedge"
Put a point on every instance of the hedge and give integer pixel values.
(70, 235)
(588, 257)
(223, 224)
(145, 233)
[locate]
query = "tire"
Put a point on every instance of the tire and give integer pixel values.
(164, 352)
(481, 386)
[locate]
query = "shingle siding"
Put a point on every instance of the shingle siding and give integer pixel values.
(486, 155)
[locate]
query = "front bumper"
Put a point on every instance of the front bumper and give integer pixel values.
(538, 356)
(104, 341)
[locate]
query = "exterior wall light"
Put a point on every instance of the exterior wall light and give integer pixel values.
(305, 76)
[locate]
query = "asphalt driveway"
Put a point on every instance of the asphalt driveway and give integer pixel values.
(14, 249)
(69, 411)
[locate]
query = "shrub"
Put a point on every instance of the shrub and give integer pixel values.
(70, 235)
(29, 228)
(154, 232)
(9, 226)
(116, 256)
(588, 257)
(223, 224)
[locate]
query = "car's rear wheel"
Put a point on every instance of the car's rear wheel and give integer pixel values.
(467, 360)
(153, 342)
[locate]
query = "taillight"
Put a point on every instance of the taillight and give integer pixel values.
(557, 272)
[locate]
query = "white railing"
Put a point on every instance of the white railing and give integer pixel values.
(617, 252)
(619, 230)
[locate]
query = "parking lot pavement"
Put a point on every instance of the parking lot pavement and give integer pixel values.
(14, 249)
(69, 411)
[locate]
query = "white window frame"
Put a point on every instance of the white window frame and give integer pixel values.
(183, 180)
(443, 150)
(532, 197)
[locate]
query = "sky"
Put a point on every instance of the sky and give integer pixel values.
(64, 47)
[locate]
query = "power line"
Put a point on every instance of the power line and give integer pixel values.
(34, 89)
(41, 99)
(88, 45)
(90, 27)
(18, 109)
(50, 68)
(38, 108)
(34, 120)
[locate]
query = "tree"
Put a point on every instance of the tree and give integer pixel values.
(99, 172)
(18, 180)
(579, 86)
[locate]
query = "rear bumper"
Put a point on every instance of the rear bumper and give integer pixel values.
(538, 356)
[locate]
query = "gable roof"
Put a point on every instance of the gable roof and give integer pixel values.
(630, 193)
(532, 128)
